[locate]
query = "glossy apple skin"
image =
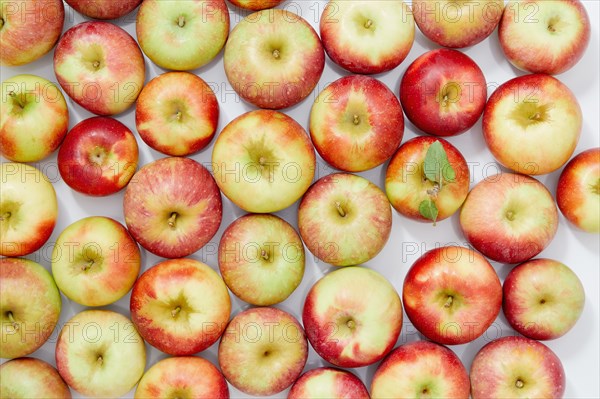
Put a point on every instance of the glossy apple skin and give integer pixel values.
(363, 48)
(328, 382)
(509, 218)
(421, 369)
(167, 187)
(578, 190)
(529, 43)
(352, 317)
(113, 85)
(406, 186)
(34, 118)
(273, 59)
(29, 378)
(104, 9)
(255, 5)
(519, 141)
(263, 351)
(170, 377)
(98, 157)
(461, 276)
(356, 123)
(29, 32)
(443, 92)
(500, 364)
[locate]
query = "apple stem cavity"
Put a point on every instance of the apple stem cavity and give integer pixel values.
(173, 220)
(340, 209)
(175, 311)
(519, 384)
(5, 216)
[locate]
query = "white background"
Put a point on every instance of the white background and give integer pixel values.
(578, 350)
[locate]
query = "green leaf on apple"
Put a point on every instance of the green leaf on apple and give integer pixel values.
(436, 166)
(428, 210)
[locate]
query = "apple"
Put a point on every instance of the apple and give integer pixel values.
(28, 209)
(98, 157)
(452, 295)
(352, 317)
(29, 307)
(104, 9)
(426, 181)
(344, 219)
(532, 124)
(261, 259)
(263, 161)
(578, 190)
(172, 207)
(182, 35)
(100, 353)
(509, 218)
(177, 114)
(356, 123)
(421, 369)
(255, 5)
(328, 382)
(33, 118)
(443, 92)
(100, 67)
(273, 59)
(543, 299)
(29, 29)
(180, 306)
(516, 367)
(176, 377)
(263, 351)
(28, 378)
(367, 37)
(455, 24)
(547, 37)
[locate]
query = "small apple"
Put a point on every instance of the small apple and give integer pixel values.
(29, 378)
(328, 382)
(255, 5)
(104, 9)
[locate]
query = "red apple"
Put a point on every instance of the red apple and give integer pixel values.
(255, 5)
(328, 382)
(32, 379)
(104, 9)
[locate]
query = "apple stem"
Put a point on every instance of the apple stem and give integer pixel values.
(96, 64)
(100, 360)
(510, 215)
(449, 302)
(16, 99)
(87, 266)
(178, 115)
(340, 210)
(1, 23)
(5, 216)
(519, 384)
(176, 311)
(181, 21)
(264, 255)
(276, 54)
(368, 24)
(172, 220)
(351, 324)
(15, 325)
(262, 161)
(536, 117)
(356, 120)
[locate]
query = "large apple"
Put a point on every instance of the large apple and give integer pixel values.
(273, 59)
(104, 9)
(367, 36)
(356, 123)
(255, 5)
(30, 378)
(172, 207)
(509, 217)
(532, 123)
(344, 219)
(330, 383)
(98, 157)
(352, 317)
(100, 66)
(263, 161)
(33, 118)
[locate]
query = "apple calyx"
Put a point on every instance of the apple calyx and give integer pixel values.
(437, 170)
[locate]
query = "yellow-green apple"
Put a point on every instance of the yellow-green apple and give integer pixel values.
(352, 317)
(182, 34)
(263, 161)
(443, 92)
(33, 118)
(98, 157)
(457, 24)
(95, 261)
(344, 219)
(516, 367)
(180, 306)
(427, 179)
(509, 218)
(578, 190)
(273, 59)
(367, 37)
(28, 209)
(255, 5)
(452, 295)
(182, 377)
(532, 124)
(421, 369)
(100, 66)
(29, 307)
(29, 378)
(99, 353)
(328, 382)
(547, 37)
(104, 9)
(177, 113)
(172, 207)
(356, 123)
(29, 29)
(263, 351)
(543, 299)
(261, 258)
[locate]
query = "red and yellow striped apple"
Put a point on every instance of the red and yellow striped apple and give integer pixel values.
(104, 9)
(328, 382)
(32, 379)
